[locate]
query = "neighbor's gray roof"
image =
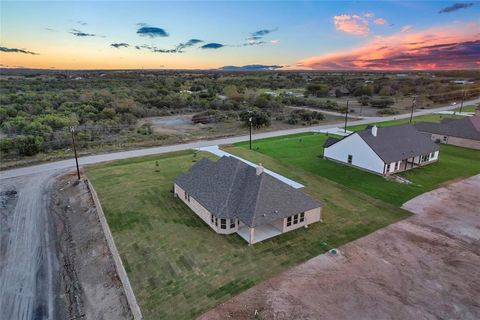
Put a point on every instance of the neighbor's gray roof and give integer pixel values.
(467, 128)
(229, 188)
(399, 142)
(330, 141)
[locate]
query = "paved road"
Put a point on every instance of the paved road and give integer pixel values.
(28, 257)
(66, 164)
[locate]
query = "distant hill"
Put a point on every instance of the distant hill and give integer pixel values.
(251, 67)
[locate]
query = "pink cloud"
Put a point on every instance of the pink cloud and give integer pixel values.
(380, 21)
(352, 24)
(450, 47)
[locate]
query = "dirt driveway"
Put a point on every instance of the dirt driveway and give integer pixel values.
(425, 267)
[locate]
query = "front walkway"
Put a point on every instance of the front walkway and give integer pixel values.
(218, 152)
(336, 131)
(261, 233)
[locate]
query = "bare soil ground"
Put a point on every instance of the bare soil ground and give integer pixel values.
(425, 267)
(89, 282)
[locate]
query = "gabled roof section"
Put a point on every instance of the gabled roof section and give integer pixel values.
(399, 142)
(330, 141)
(467, 127)
(229, 188)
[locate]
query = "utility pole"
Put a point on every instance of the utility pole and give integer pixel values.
(250, 120)
(72, 131)
(463, 98)
(346, 116)
(414, 101)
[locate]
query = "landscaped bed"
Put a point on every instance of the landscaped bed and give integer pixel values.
(179, 267)
(305, 151)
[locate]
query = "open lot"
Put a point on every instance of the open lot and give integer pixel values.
(179, 267)
(305, 151)
(425, 267)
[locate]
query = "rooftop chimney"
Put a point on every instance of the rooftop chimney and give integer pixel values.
(259, 169)
(374, 131)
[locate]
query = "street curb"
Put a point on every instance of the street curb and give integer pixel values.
(122, 274)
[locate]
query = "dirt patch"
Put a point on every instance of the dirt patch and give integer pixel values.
(425, 267)
(89, 282)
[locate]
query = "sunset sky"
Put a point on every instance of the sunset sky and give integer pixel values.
(339, 35)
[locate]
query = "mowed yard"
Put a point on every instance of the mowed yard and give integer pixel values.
(179, 267)
(305, 151)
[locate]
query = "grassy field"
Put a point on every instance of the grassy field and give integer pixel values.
(179, 267)
(305, 151)
(428, 118)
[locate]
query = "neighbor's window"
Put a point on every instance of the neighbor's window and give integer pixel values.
(289, 221)
(232, 223)
(223, 223)
(350, 158)
(444, 138)
(295, 219)
(213, 218)
(302, 216)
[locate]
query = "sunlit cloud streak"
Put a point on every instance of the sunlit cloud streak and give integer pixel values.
(79, 33)
(152, 32)
(120, 45)
(212, 45)
(455, 7)
(434, 48)
(16, 50)
(353, 24)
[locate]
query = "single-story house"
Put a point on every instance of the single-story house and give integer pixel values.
(233, 197)
(383, 150)
(463, 132)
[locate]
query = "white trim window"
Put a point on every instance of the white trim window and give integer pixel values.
(295, 219)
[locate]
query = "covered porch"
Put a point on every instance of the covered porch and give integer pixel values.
(258, 234)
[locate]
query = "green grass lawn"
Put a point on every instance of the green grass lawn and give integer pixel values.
(427, 117)
(469, 108)
(179, 267)
(305, 151)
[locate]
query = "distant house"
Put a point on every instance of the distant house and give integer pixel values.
(233, 197)
(464, 132)
(384, 150)
(462, 82)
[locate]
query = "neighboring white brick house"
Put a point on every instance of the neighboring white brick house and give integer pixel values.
(383, 150)
(233, 197)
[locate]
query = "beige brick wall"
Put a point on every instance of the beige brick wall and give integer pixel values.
(461, 142)
(311, 216)
(202, 212)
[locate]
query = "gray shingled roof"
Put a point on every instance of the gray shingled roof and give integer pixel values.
(330, 141)
(399, 142)
(230, 188)
(467, 128)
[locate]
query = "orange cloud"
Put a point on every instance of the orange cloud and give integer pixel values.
(380, 21)
(451, 47)
(352, 24)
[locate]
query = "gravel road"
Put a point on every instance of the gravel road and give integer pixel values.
(28, 260)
